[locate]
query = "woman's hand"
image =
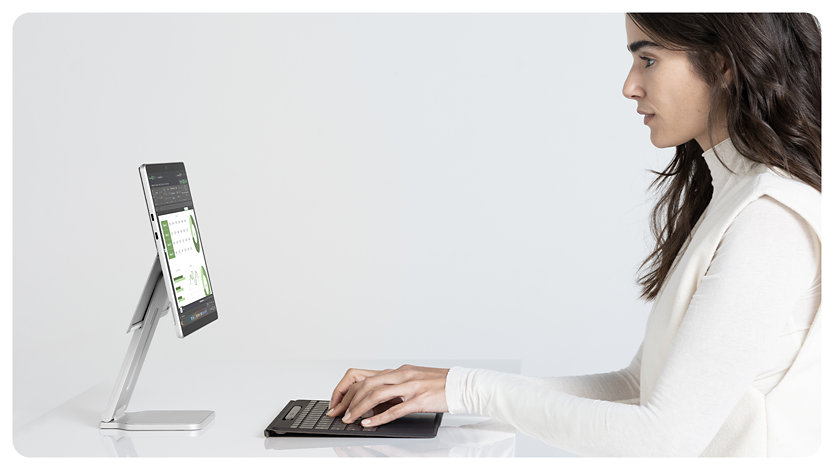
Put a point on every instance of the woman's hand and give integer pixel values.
(405, 390)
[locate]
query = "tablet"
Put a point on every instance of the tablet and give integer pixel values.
(179, 246)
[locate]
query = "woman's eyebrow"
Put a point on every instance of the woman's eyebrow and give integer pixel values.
(637, 45)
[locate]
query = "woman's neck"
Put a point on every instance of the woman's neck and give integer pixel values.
(719, 134)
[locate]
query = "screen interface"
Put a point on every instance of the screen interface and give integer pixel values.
(178, 228)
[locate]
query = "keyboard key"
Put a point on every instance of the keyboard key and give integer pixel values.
(324, 422)
(304, 412)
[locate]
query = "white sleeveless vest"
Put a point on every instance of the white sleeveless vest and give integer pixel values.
(785, 421)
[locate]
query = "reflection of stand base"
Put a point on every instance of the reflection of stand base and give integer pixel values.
(190, 420)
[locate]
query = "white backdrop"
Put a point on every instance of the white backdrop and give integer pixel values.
(388, 186)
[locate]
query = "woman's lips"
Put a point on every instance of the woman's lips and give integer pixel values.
(647, 118)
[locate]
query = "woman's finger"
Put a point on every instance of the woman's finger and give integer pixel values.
(347, 399)
(386, 405)
(351, 376)
(395, 412)
(369, 399)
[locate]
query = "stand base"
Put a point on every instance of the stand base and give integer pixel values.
(190, 420)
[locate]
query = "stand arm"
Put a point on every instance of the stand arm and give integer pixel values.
(154, 303)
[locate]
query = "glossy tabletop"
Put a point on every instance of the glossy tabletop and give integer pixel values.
(246, 396)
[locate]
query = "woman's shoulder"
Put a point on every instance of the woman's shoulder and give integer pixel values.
(786, 184)
(773, 227)
(778, 196)
(768, 215)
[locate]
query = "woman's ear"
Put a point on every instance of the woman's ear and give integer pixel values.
(726, 70)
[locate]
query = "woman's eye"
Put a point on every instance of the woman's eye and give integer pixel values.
(649, 61)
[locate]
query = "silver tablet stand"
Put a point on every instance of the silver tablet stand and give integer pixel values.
(153, 304)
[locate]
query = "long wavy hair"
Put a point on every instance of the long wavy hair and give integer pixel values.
(771, 104)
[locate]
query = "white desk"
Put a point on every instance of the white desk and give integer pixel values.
(246, 396)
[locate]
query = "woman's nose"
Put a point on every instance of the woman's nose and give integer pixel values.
(632, 89)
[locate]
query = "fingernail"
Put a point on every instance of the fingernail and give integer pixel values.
(329, 411)
(347, 416)
(366, 422)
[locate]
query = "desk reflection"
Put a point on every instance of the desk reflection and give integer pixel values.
(487, 438)
(119, 443)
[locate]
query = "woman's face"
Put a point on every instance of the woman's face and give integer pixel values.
(674, 100)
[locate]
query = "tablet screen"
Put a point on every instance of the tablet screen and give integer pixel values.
(184, 253)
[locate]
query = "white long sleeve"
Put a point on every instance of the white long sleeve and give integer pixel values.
(620, 385)
(743, 326)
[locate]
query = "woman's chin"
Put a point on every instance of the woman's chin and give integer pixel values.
(662, 142)
(659, 143)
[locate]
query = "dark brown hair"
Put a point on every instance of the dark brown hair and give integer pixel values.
(771, 104)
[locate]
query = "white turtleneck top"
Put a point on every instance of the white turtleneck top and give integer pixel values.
(744, 326)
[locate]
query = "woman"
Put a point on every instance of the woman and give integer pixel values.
(729, 365)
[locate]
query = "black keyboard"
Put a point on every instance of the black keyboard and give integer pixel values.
(312, 416)
(308, 418)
